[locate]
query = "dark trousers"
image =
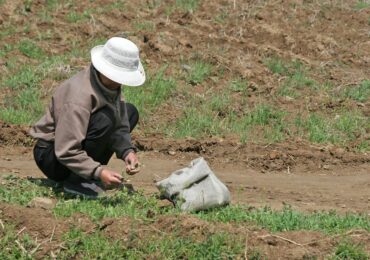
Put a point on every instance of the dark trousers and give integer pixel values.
(96, 143)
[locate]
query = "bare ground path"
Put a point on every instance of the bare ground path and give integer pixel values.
(341, 189)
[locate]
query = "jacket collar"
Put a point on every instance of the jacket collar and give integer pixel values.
(108, 93)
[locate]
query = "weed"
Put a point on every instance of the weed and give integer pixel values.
(277, 66)
(362, 4)
(45, 16)
(239, 85)
(187, 5)
(294, 73)
(288, 219)
(25, 77)
(30, 49)
(363, 146)
(6, 49)
(199, 71)
(21, 191)
(255, 254)
(74, 17)
(91, 246)
(262, 115)
(341, 129)
(220, 18)
(348, 250)
(7, 30)
(145, 26)
(360, 92)
(10, 248)
(148, 97)
(25, 108)
(115, 5)
(168, 246)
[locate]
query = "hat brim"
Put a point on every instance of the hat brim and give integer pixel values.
(115, 73)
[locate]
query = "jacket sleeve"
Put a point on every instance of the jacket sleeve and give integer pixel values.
(121, 137)
(70, 131)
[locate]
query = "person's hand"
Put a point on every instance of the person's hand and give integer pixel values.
(110, 178)
(132, 164)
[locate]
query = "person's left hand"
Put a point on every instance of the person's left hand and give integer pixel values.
(132, 163)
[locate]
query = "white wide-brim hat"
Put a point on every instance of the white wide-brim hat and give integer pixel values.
(119, 61)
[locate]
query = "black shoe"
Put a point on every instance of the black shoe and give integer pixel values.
(78, 186)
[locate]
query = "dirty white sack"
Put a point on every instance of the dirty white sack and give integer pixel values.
(195, 187)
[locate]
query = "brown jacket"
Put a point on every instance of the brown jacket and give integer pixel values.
(66, 121)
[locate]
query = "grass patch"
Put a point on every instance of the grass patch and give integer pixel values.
(74, 17)
(22, 103)
(10, 249)
(24, 108)
(21, 191)
(202, 118)
(295, 76)
(168, 246)
(288, 219)
(148, 97)
(145, 26)
(187, 5)
(263, 115)
(239, 85)
(214, 116)
(30, 49)
(199, 71)
(362, 4)
(342, 129)
(25, 77)
(348, 250)
(360, 92)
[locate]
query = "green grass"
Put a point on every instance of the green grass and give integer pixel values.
(30, 49)
(349, 250)
(201, 118)
(74, 17)
(136, 206)
(215, 117)
(148, 98)
(141, 241)
(165, 246)
(360, 92)
(342, 129)
(288, 219)
(199, 71)
(145, 26)
(295, 74)
(22, 104)
(269, 119)
(187, 5)
(239, 85)
(25, 77)
(10, 249)
(362, 4)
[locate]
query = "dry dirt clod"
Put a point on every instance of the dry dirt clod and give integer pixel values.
(165, 204)
(43, 203)
(171, 152)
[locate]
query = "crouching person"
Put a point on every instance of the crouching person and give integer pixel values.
(87, 122)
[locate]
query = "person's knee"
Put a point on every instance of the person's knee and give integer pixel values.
(133, 115)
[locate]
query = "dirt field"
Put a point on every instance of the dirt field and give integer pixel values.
(344, 189)
(307, 61)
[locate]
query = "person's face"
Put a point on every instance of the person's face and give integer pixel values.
(108, 83)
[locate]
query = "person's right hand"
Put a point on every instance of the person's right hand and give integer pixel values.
(110, 178)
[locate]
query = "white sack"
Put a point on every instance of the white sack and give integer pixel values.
(195, 187)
